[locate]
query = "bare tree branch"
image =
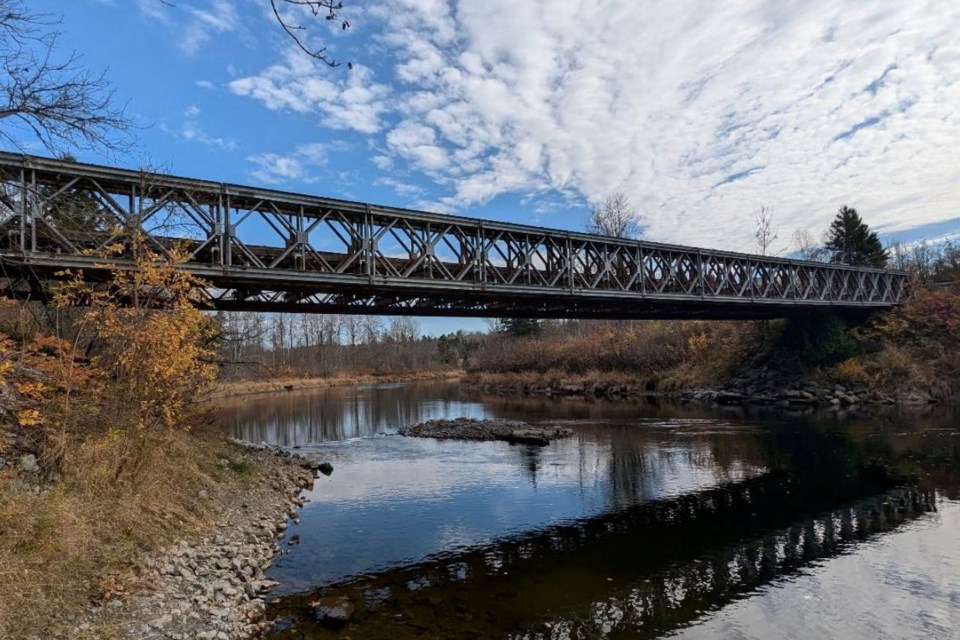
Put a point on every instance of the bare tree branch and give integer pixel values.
(764, 232)
(807, 247)
(329, 9)
(52, 96)
(617, 217)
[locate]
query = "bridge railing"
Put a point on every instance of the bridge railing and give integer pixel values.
(66, 213)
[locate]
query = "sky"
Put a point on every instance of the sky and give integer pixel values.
(534, 111)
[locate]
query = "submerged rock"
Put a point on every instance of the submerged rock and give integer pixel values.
(333, 610)
(323, 467)
(472, 429)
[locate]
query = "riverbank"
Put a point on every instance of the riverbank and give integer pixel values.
(907, 355)
(760, 387)
(239, 388)
(202, 576)
(213, 587)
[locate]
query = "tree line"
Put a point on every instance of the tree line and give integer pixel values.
(258, 345)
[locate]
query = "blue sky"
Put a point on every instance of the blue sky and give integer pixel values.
(532, 111)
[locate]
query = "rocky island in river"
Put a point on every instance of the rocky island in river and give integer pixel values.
(513, 431)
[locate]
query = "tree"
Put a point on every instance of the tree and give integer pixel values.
(616, 217)
(50, 94)
(806, 247)
(519, 327)
(329, 9)
(765, 234)
(850, 241)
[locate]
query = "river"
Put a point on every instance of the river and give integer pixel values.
(652, 521)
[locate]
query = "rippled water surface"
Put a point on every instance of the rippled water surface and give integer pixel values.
(652, 521)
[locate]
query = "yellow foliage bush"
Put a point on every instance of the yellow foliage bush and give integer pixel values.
(852, 370)
(109, 394)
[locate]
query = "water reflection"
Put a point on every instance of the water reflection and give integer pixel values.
(651, 519)
(637, 574)
(394, 500)
(328, 415)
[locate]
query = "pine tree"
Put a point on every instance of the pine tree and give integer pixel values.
(519, 327)
(850, 241)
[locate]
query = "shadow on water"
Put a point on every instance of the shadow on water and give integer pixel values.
(652, 517)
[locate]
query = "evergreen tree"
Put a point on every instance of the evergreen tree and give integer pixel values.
(519, 327)
(850, 241)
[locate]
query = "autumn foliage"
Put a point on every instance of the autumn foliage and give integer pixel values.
(650, 354)
(103, 388)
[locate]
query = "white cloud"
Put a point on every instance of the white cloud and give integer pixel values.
(299, 166)
(219, 17)
(192, 131)
(193, 26)
(346, 101)
(699, 112)
(154, 10)
(400, 188)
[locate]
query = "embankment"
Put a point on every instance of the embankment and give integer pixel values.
(907, 356)
(201, 577)
(236, 388)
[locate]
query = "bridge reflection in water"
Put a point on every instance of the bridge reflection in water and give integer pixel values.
(659, 565)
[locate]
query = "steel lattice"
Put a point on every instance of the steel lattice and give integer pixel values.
(268, 250)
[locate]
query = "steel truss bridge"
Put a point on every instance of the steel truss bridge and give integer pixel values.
(266, 250)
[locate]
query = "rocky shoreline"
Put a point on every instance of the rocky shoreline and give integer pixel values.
(215, 588)
(513, 431)
(761, 388)
(772, 388)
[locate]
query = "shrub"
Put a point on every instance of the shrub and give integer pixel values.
(818, 339)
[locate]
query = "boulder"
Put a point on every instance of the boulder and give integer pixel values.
(334, 611)
(28, 464)
(527, 436)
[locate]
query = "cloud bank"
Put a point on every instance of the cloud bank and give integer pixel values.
(698, 111)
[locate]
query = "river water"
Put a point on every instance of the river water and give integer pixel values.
(653, 521)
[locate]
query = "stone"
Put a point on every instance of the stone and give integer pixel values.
(325, 468)
(28, 464)
(333, 610)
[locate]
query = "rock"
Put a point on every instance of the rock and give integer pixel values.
(203, 494)
(333, 610)
(472, 429)
(28, 464)
(729, 397)
(527, 436)
(325, 468)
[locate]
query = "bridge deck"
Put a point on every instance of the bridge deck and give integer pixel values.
(261, 249)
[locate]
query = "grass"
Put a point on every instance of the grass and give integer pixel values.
(235, 388)
(243, 468)
(80, 540)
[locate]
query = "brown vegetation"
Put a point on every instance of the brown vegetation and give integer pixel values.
(103, 402)
(908, 350)
(276, 347)
(235, 388)
(651, 356)
(913, 348)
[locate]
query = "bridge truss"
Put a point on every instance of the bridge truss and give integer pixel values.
(266, 250)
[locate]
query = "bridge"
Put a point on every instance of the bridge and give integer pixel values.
(266, 250)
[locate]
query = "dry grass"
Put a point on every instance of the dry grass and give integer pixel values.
(79, 541)
(654, 355)
(915, 347)
(231, 389)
